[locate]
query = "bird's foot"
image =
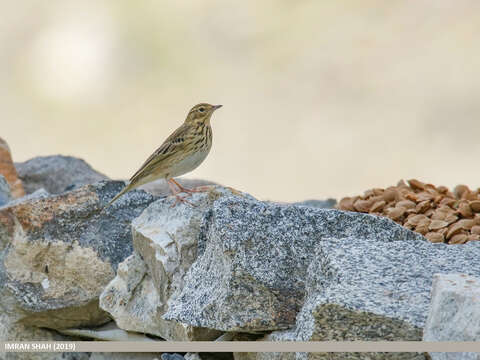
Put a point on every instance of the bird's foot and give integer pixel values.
(180, 199)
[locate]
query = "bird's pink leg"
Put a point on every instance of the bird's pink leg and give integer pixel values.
(189, 191)
(175, 192)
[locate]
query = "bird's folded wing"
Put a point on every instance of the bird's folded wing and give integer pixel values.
(173, 145)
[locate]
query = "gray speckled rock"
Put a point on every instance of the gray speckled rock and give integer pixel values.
(372, 289)
(454, 313)
(107, 332)
(61, 251)
(5, 194)
(56, 173)
(161, 188)
(167, 239)
(251, 274)
(172, 356)
(320, 204)
(133, 301)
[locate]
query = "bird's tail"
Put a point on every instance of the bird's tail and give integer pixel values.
(124, 190)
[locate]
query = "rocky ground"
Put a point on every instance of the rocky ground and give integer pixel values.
(229, 268)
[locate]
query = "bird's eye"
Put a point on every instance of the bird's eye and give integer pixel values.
(202, 109)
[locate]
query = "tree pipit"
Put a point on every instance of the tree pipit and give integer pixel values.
(180, 153)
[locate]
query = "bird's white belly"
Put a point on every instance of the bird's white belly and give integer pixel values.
(188, 164)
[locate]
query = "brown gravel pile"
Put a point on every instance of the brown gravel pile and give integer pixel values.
(436, 212)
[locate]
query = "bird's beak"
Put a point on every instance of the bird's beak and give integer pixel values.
(215, 107)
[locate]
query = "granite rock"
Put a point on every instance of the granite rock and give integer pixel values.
(161, 188)
(59, 252)
(320, 204)
(454, 313)
(133, 301)
(166, 240)
(56, 173)
(108, 332)
(253, 258)
(172, 356)
(5, 194)
(375, 288)
(7, 169)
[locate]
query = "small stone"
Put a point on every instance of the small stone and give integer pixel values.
(422, 228)
(390, 194)
(362, 205)
(465, 210)
(437, 224)
(396, 213)
(416, 219)
(423, 206)
(466, 224)
(424, 196)
(451, 218)
(416, 185)
(378, 206)
(473, 237)
(435, 237)
(458, 239)
(475, 205)
(407, 204)
(346, 204)
(476, 229)
(453, 229)
(459, 190)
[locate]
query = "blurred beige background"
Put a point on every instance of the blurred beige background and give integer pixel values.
(321, 98)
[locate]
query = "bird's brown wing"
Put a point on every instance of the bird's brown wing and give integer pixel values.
(174, 144)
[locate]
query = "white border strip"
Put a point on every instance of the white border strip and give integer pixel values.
(237, 346)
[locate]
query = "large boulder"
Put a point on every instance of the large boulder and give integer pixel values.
(166, 239)
(376, 288)
(59, 252)
(7, 169)
(454, 313)
(56, 173)
(161, 188)
(251, 270)
(134, 302)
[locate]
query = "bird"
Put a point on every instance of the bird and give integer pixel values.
(183, 151)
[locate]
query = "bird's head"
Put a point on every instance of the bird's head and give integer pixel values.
(201, 113)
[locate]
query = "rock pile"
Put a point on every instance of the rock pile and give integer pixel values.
(229, 267)
(435, 212)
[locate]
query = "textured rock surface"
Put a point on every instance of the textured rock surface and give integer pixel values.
(372, 289)
(321, 204)
(172, 356)
(56, 173)
(107, 332)
(161, 188)
(7, 169)
(5, 194)
(61, 251)
(10, 331)
(167, 239)
(251, 273)
(133, 301)
(454, 313)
